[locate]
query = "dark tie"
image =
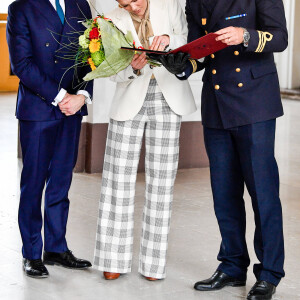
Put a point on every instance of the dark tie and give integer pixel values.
(60, 11)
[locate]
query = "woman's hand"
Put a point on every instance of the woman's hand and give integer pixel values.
(160, 43)
(231, 35)
(139, 61)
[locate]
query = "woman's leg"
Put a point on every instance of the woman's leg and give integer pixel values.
(162, 151)
(114, 238)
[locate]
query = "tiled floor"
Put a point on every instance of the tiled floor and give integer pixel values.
(194, 239)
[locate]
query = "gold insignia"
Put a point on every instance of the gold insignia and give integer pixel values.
(204, 21)
(194, 64)
(264, 37)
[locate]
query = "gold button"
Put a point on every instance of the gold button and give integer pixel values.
(214, 71)
(240, 85)
(236, 53)
(206, 32)
(238, 70)
(212, 56)
(217, 87)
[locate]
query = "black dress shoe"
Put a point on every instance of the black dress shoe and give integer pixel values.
(262, 290)
(65, 259)
(35, 268)
(217, 282)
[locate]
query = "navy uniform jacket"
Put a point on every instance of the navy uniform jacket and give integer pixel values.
(34, 57)
(240, 85)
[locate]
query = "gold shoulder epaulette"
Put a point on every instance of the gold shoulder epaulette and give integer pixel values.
(264, 37)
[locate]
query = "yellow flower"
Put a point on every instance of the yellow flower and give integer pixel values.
(94, 45)
(92, 65)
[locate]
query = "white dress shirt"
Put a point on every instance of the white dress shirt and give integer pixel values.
(60, 96)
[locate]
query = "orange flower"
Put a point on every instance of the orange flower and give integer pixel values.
(92, 65)
(94, 45)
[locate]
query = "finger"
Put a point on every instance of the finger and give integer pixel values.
(157, 42)
(224, 30)
(154, 43)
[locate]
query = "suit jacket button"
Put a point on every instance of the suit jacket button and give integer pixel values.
(236, 53)
(47, 44)
(217, 87)
(214, 71)
(240, 85)
(56, 61)
(238, 70)
(212, 56)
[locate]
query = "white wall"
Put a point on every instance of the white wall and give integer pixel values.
(104, 88)
(288, 62)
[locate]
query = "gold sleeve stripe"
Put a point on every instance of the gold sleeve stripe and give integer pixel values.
(264, 37)
(194, 64)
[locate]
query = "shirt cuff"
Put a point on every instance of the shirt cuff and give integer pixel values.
(181, 75)
(88, 99)
(60, 96)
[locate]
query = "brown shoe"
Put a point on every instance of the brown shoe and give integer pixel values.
(111, 276)
(151, 278)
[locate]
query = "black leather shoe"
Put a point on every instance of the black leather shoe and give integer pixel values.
(262, 290)
(217, 282)
(35, 268)
(65, 259)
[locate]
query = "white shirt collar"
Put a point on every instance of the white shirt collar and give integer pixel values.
(62, 3)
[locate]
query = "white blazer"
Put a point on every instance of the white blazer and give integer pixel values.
(167, 17)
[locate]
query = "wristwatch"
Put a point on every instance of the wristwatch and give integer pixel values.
(246, 37)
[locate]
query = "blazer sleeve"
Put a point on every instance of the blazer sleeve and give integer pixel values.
(21, 56)
(86, 69)
(271, 34)
(178, 20)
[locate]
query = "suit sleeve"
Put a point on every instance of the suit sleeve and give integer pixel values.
(86, 69)
(194, 32)
(271, 33)
(21, 56)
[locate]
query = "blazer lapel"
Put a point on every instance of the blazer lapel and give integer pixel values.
(124, 22)
(47, 10)
(218, 12)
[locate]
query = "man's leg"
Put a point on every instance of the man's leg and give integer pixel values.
(59, 180)
(228, 187)
(37, 142)
(256, 149)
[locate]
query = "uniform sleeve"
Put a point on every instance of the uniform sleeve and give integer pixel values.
(271, 33)
(194, 29)
(21, 56)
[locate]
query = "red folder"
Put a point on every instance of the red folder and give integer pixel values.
(199, 48)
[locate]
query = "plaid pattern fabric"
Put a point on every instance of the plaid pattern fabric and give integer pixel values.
(114, 238)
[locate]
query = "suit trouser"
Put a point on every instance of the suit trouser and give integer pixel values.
(114, 239)
(238, 156)
(49, 155)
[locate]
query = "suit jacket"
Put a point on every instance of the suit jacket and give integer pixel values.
(167, 17)
(36, 59)
(240, 85)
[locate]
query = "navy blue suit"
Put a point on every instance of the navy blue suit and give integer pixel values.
(240, 103)
(49, 139)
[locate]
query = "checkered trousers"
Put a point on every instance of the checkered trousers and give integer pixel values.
(114, 240)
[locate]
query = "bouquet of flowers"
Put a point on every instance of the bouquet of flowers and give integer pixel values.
(99, 47)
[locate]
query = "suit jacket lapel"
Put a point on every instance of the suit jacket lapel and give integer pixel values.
(47, 10)
(218, 12)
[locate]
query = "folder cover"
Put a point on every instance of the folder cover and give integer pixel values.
(197, 49)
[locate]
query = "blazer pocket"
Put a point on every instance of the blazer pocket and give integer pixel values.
(262, 70)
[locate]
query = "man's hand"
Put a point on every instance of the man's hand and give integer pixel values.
(175, 63)
(71, 104)
(231, 35)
